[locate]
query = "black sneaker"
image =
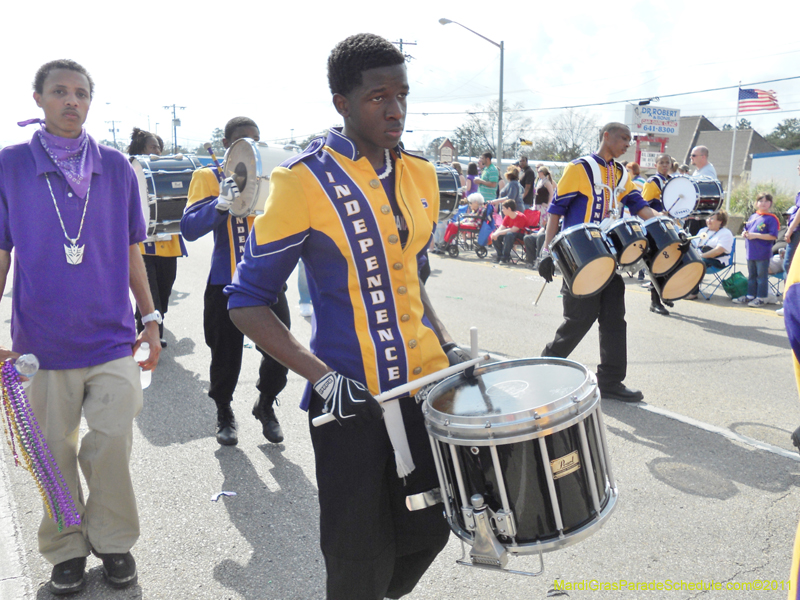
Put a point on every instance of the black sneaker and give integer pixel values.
(621, 393)
(796, 439)
(226, 426)
(68, 577)
(119, 569)
(264, 412)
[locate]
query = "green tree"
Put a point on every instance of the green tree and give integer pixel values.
(743, 124)
(786, 135)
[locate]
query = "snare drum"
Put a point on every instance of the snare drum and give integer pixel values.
(521, 456)
(680, 196)
(163, 190)
(684, 278)
(585, 258)
(629, 241)
(664, 245)
(250, 163)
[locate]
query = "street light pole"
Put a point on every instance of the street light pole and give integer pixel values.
(501, 45)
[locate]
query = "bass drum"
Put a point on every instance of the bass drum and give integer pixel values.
(709, 198)
(163, 190)
(449, 191)
(521, 455)
(680, 196)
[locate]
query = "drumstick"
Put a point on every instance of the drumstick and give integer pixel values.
(540, 293)
(411, 385)
(208, 147)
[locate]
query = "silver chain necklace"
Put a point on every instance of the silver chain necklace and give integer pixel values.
(73, 251)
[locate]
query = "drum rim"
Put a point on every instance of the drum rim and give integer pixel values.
(576, 227)
(253, 145)
(527, 424)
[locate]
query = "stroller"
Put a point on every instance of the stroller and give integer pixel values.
(470, 231)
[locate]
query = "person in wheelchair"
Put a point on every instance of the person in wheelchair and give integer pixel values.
(512, 228)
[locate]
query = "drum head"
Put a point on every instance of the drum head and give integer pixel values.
(144, 198)
(680, 197)
(511, 399)
(243, 164)
(593, 277)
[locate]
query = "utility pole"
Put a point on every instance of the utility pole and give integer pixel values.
(113, 131)
(176, 122)
(400, 44)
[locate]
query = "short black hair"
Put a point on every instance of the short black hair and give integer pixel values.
(237, 122)
(359, 53)
(139, 139)
(63, 63)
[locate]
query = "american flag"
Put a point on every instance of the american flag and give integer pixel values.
(752, 100)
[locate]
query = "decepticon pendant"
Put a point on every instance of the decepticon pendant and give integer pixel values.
(74, 253)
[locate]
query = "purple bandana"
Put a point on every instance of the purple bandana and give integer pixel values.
(71, 156)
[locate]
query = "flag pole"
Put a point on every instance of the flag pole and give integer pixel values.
(733, 150)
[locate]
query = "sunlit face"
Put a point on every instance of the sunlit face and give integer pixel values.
(523, 163)
(763, 204)
(375, 112)
(617, 141)
(508, 212)
(151, 146)
(663, 165)
(65, 99)
(713, 223)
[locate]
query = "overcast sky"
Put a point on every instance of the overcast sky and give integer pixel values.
(267, 60)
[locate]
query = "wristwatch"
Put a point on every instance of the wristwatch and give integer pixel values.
(153, 316)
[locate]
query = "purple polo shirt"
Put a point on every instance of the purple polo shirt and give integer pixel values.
(69, 316)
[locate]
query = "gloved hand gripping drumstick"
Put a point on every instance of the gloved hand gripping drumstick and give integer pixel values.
(228, 193)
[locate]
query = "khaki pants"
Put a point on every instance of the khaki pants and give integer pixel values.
(110, 396)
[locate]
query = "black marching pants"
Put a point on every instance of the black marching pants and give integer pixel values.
(374, 547)
(161, 273)
(226, 344)
(608, 309)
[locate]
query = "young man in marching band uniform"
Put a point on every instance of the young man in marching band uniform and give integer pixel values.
(360, 212)
(208, 210)
(580, 199)
(652, 193)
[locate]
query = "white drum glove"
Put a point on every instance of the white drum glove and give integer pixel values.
(228, 193)
(347, 400)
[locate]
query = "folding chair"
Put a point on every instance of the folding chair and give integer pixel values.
(718, 275)
(776, 282)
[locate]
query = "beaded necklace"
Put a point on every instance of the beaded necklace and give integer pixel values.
(20, 424)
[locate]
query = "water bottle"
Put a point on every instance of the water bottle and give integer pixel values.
(27, 365)
(142, 354)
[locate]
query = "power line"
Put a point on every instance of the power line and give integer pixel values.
(630, 101)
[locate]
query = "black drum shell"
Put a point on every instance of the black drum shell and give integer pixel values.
(624, 235)
(585, 258)
(664, 242)
(683, 278)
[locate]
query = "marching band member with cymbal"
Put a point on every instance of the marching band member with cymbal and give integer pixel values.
(161, 255)
(360, 211)
(579, 199)
(207, 210)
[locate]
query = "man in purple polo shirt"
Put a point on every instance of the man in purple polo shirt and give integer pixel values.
(70, 211)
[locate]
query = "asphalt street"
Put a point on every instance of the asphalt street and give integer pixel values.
(706, 471)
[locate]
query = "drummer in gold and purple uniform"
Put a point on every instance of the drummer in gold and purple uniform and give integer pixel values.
(581, 199)
(207, 210)
(160, 255)
(652, 191)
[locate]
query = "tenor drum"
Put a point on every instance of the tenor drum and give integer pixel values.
(163, 190)
(250, 163)
(585, 258)
(629, 240)
(521, 455)
(684, 278)
(679, 196)
(665, 241)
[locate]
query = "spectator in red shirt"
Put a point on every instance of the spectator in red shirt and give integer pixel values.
(512, 228)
